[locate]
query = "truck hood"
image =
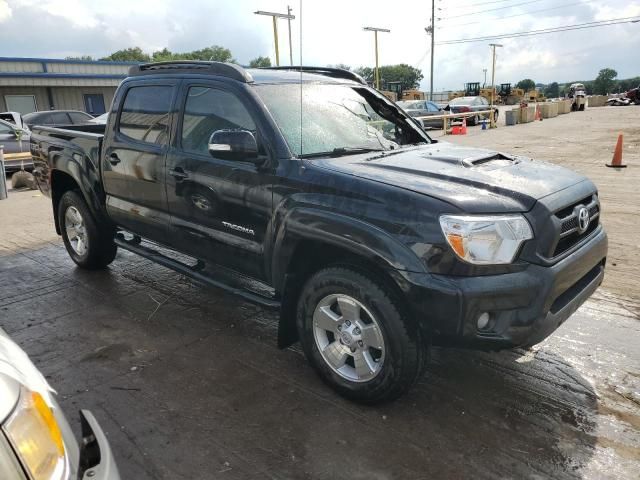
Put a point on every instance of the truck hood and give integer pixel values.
(473, 179)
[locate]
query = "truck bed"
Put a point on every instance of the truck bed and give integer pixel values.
(54, 148)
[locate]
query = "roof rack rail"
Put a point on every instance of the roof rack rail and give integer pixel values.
(230, 70)
(327, 71)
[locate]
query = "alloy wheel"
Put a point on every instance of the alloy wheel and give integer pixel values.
(76, 230)
(348, 337)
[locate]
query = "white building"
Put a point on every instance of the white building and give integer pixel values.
(33, 84)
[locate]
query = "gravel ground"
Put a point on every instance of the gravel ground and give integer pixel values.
(188, 383)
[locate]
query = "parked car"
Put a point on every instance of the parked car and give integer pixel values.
(14, 118)
(423, 108)
(36, 440)
(16, 144)
(371, 239)
(100, 119)
(472, 104)
(56, 117)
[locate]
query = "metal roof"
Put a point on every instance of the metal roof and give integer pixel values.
(61, 60)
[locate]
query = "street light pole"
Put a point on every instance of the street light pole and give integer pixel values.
(289, 9)
(493, 83)
(375, 31)
(433, 34)
(275, 17)
(485, 77)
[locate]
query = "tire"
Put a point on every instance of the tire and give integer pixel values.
(391, 355)
(581, 108)
(496, 114)
(473, 121)
(92, 247)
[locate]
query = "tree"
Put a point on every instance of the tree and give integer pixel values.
(406, 74)
(135, 54)
(366, 73)
(214, 53)
(343, 66)
(260, 62)
(163, 55)
(552, 90)
(527, 84)
(605, 81)
(132, 54)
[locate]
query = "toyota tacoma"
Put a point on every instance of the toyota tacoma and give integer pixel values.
(307, 191)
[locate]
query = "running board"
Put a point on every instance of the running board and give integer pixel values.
(192, 272)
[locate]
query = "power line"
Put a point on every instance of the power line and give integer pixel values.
(478, 3)
(520, 14)
(492, 9)
(565, 28)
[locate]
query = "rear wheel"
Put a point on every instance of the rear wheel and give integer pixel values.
(356, 338)
(88, 246)
(581, 108)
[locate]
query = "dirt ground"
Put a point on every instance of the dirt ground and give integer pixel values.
(188, 383)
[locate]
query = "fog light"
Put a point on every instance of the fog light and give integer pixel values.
(483, 320)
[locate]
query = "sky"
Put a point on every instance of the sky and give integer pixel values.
(328, 32)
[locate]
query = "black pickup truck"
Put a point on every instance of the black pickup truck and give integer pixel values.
(305, 190)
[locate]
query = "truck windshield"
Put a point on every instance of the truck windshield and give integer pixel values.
(337, 119)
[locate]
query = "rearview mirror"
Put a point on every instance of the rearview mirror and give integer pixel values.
(233, 145)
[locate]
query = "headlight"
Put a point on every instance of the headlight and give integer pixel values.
(485, 240)
(34, 434)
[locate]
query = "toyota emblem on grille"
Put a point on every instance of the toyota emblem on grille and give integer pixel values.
(583, 219)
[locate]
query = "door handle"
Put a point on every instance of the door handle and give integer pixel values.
(114, 159)
(178, 173)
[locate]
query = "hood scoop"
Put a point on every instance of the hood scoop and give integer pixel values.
(489, 161)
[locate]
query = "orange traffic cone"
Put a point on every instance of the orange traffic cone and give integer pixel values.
(616, 161)
(464, 126)
(538, 115)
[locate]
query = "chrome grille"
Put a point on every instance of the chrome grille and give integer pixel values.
(569, 227)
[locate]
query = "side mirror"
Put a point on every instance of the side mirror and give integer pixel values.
(238, 145)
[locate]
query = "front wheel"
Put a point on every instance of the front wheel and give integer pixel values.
(88, 246)
(356, 338)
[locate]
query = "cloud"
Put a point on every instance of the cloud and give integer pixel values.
(5, 11)
(332, 33)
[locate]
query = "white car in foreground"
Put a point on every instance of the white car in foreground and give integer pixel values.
(36, 441)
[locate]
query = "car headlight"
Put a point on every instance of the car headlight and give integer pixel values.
(485, 239)
(35, 435)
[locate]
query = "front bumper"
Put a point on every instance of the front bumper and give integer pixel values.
(96, 458)
(525, 307)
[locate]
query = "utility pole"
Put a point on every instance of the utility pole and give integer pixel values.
(493, 83)
(433, 35)
(375, 31)
(289, 10)
(275, 17)
(485, 78)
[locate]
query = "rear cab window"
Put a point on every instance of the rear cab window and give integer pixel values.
(145, 114)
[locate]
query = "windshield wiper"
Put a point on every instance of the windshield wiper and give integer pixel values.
(341, 152)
